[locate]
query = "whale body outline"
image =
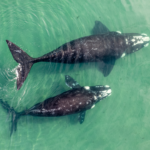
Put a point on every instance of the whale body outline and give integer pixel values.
(103, 47)
(77, 100)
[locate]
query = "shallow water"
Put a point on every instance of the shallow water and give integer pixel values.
(119, 122)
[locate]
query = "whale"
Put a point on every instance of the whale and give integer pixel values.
(103, 47)
(76, 100)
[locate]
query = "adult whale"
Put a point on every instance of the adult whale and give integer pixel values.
(103, 48)
(77, 100)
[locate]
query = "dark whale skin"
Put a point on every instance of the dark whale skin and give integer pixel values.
(93, 48)
(102, 48)
(77, 100)
(70, 102)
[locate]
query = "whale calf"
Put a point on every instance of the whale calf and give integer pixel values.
(77, 100)
(103, 48)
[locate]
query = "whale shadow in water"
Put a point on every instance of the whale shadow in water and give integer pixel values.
(55, 68)
(71, 119)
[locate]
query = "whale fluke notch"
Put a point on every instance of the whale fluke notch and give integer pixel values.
(99, 28)
(24, 61)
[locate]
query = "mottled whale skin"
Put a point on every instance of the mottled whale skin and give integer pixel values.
(103, 48)
(77, 100)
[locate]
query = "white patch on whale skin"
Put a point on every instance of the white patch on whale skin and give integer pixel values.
(133, 40)
(146, 45)
(87, 87)
(127, 41)
(94, 49)
(109, 91)
(139, 42)
(19, 51)
(138, 39)
(123, 55)
(118, 32)
(95, 98)
(106, 93)
(144, 34)
(93, 106)
(17, 73)
(18, 69)
(107, 86)
(146, 39)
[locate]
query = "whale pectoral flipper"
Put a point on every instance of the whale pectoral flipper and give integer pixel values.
(99, 28)
(106, 66)
(82, 117)
(70, 82)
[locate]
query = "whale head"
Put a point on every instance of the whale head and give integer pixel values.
(99, 91)
(136, 41)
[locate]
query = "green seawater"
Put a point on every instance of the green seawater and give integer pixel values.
(119, 122)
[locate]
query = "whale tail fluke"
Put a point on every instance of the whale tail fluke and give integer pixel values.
(24, 61)
(14, 115)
